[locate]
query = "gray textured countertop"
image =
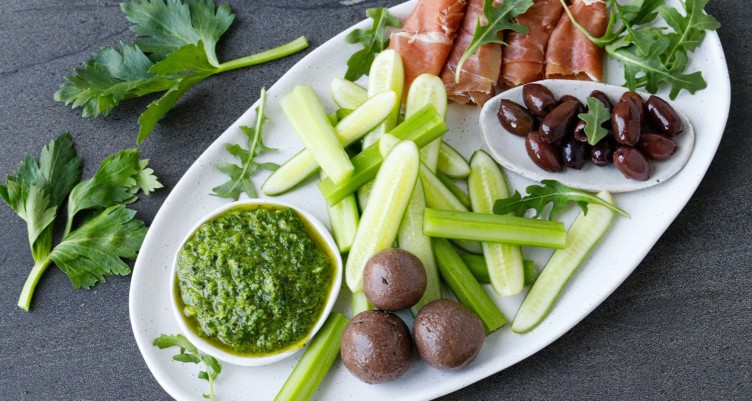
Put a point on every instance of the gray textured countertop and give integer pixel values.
(679, 328)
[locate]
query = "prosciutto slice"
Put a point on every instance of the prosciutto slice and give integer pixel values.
(426, 37)
(480, 72)
(525, 54)
(570, 54)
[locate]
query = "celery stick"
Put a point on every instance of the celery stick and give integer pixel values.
(380, 222)
(485, 185)
(451, 163)
(360, 303)
(412, 239)
(494, 228)
(477, 265)
(584, 233)
(348, 130)
(387, 73)
(344, 219)
(454, 189)
(427, 89)
(465, 287)
(347, 94)
(332, 117)
(421, 128)
(308, 118)
(315, 362)
(438, 196)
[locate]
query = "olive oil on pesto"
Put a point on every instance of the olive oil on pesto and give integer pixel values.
(254, 280)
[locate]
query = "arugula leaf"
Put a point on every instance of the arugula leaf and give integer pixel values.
(499, 18)
(95, 249)
(596, 115)
(374, 40)
(554, 192)
(175, 49)
(689, 30)
(241, 176)
(189, 354)
(116, 181)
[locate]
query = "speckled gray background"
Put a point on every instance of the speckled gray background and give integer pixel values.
(679, 328)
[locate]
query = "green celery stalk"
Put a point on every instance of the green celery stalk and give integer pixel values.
(477, 265)
(422, 127)
(465, 287)
(315, 362)
(344, 219)
(494, 228)
(308, 118)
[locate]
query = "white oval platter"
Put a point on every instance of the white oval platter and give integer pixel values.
(652, 211)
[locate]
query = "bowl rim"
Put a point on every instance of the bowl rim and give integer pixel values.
(249, 360)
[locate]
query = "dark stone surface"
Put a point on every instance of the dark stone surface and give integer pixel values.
(678, 328)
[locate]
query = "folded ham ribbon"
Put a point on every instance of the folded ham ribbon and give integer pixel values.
(480, 72)
(570, 54)
(426, 37)
(525, 55)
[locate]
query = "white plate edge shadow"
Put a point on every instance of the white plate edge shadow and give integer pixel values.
(475, 372)
(509, 149)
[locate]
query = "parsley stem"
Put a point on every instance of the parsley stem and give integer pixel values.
(24, 301)
(268, 55)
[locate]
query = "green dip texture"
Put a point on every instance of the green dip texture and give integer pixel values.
(254, 280)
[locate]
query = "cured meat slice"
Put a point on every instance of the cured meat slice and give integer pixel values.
(426, 37)
(570, 54)
(480, 72)
(525, 54)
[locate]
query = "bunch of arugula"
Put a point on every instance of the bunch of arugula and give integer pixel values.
(94, 249)
(498, 19)
(557, 194)
(374, 40)
(241, 175)
(189, 354)
(175, 49)
(653, 55)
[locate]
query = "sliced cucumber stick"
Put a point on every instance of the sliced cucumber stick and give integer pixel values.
(387, 73)
(427, 89)
(485, 185)
(344, 219)
(454, 189)
(585, 232)
(347, 94)
(380, 223)
(451, 163)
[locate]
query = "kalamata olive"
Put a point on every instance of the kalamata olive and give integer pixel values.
(376, 347)
(545, 155)
(656, 146)
(579, 132)
(515, 118)
(601, 153)
(559, 122)
(574, 153)
(631, 163)
(603, 98)
(394, 279)
(447, 334)
(538, 99)
(570, 98)
(640, 102)
(626, 120)
(664, 117)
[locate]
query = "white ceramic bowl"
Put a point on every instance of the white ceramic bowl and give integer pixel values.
(250, 360)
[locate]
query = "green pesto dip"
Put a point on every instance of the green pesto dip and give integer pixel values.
(254, 280)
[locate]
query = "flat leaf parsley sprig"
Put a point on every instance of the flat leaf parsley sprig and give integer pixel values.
(95, 248)
(189, 354)
(174, 50)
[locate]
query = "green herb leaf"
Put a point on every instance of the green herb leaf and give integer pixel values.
(158, 108)
(689, 30)
(116, 181)
(189, 354)
(374, 40)
(596, 115)
(241, 175)
(554, 192)
(499, 18)
(95, 249)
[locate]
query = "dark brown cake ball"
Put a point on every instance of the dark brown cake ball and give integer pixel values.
(448, 335)
(394, 279)
(376, 347)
